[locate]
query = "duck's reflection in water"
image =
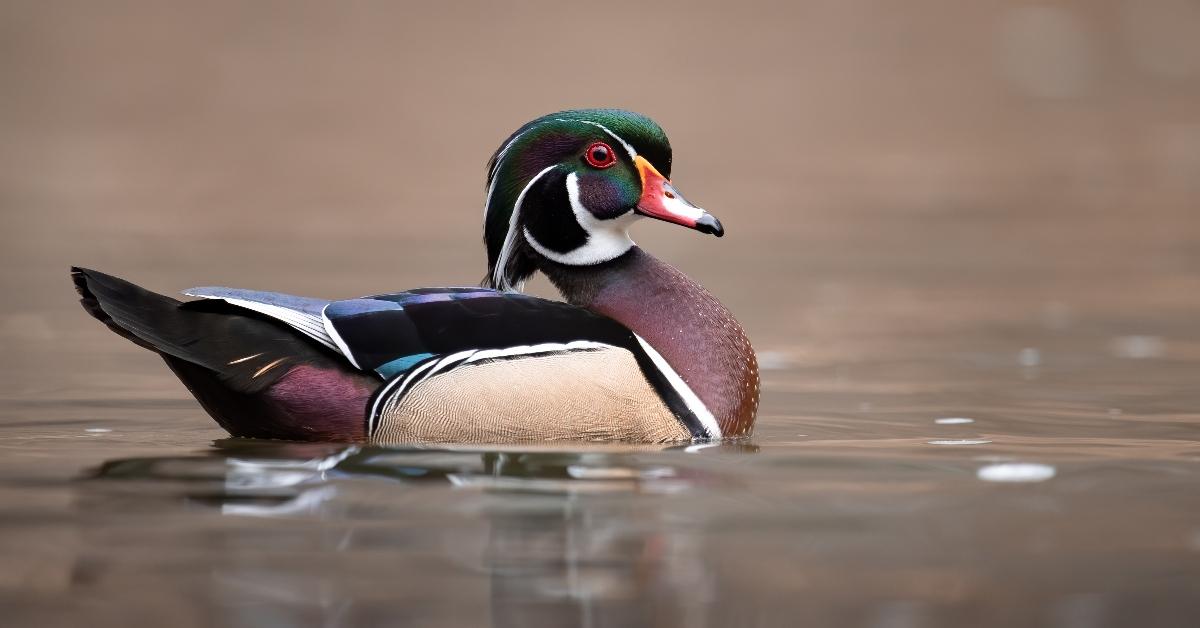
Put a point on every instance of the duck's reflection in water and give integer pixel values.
(562, 538)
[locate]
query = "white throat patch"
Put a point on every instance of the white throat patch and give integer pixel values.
(607, 239)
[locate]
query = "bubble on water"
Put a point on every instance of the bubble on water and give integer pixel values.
(1016, 472)
(1138, 347)
(1029, 356)
(953, 420)
(960, 441)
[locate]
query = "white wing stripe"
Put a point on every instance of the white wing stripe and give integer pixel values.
(385, 394)
(420, 373)
(336, 338)
(548, 347)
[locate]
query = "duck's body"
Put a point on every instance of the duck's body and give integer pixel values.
(639, 353)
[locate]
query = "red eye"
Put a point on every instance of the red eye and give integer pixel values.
(600, 155)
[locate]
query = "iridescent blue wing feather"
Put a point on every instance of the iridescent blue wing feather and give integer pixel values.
(391, 333)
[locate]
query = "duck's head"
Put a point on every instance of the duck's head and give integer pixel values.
(567, 186)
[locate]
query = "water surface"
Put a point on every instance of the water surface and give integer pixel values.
(1038, 470)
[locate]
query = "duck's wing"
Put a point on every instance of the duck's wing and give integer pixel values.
(408, 337)
(388, 333)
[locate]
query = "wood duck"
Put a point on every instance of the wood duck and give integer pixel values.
(638, 352)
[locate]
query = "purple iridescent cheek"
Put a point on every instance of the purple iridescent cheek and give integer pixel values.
(608, 194)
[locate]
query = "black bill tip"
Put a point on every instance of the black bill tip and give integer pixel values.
(709, 224)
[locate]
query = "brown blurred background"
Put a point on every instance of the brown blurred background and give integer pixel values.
(869, 159)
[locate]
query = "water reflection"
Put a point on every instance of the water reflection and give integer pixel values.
(240, 471)
(563, 538)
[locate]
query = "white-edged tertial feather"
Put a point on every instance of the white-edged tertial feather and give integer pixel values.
(308, 323)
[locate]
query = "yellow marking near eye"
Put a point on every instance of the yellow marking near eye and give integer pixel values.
(249, 357)
(267, 368)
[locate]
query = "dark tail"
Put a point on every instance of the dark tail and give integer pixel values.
(256, 376)
(129, 310)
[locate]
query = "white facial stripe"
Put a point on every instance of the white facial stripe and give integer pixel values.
(693, 402)
(607, 239)
(510, 238)
(496, 169)
(628, 148)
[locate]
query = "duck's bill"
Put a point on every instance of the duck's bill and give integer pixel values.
(661, 200)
